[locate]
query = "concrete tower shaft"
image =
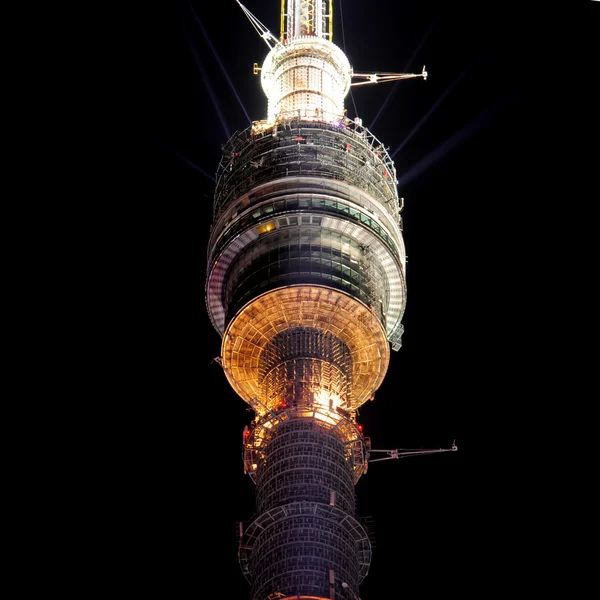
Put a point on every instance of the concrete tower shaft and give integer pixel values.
(305, 529)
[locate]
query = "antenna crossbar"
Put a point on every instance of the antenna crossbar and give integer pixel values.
(383, 77)
(404, 452)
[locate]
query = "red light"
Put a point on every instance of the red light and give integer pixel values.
(359, 427)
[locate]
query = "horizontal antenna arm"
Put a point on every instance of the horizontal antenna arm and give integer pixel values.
(377, 77)
(403, 452)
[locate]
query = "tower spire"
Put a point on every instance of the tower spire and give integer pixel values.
(313, 18)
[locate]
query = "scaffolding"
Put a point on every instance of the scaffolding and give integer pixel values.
(343, 150)
(339, 319)
(341, 424)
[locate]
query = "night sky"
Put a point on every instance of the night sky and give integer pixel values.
(460, 144)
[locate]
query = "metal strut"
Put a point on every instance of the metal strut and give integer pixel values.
(265, 34)
(402, 452)
(377, 77)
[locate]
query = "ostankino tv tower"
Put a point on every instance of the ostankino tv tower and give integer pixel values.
(306, 285)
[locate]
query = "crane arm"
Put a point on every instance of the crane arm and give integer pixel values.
(265, 34)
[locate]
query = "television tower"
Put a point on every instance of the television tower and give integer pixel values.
(306, 286)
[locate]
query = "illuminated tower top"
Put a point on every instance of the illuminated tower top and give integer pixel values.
(307, 234)
(305, 75)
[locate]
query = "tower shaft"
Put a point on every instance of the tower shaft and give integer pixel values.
(305, 539)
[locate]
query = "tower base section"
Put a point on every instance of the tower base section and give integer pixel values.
(304, 549)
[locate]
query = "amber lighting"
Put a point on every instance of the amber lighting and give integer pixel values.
(305, 306)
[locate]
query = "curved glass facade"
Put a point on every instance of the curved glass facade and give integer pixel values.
(300, 254)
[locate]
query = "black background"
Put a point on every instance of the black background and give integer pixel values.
(467, 171)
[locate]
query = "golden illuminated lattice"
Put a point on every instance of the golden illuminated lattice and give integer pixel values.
(330, 311)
